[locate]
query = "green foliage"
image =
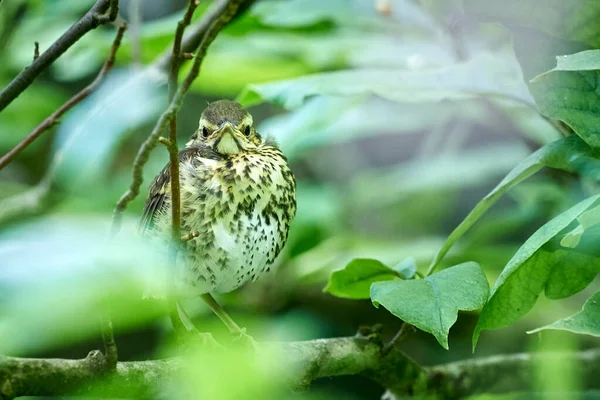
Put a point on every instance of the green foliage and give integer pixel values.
(586, 321)
(354, 281)
(457, 81)
(395, 126)
(588, 60)
(531, 270)
(432, 304)
(569, 154)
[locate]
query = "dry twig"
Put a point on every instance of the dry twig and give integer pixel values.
(85, 92)
(93, 18)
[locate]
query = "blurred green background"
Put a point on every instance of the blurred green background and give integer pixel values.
(397, 117)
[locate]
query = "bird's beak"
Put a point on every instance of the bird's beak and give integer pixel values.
(227, 142)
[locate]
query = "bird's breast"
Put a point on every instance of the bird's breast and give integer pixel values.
(241, 208)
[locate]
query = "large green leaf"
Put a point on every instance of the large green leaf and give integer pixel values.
(570, 154)
(586, 321)
(432, 304)
(530, 271)
(567, 91)
(354, 281)
(487, 73)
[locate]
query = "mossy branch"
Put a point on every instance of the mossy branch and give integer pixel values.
(310, 360)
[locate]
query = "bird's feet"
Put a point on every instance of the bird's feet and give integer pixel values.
(194, 339)
(247, 341)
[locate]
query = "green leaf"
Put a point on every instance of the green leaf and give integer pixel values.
(570, 154)
(588, 60)
(432, 304)
(586, 321)
(586, 220)
(407, 268)
(487, 73)
(568, 96)
(529, 272)
(354, 281)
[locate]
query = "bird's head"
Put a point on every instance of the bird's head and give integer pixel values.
(226, 127)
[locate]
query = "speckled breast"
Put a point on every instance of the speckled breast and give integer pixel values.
(241, 207)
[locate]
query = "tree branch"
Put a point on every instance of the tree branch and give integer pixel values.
(92, 19)
(171, 145)
(309, 360)
(196, 34)
(85, 92)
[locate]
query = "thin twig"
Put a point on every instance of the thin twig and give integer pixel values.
(195, 34)
(85, 92)
(165, 141)
(111, 15)
(402, 333)
(10, 23)
(171, 145)
(36, 50)
(216, 23)
(92, 19)
(173, 150)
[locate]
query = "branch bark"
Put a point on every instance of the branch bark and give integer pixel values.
(310, 360)
(92, 19)
(73, 101)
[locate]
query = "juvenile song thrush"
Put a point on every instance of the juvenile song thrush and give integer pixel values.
(237, 193)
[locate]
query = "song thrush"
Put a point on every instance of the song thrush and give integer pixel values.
(237, 195)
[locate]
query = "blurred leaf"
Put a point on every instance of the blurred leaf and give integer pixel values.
(407, 268)
(487, 73)
(559, 28)
(26, 112)
(569, 154)
(330, 120)
(563, 19)
(355, 279)
(527, 273)
(432, 304)
(444, 172)
(57, 274)
(231, 374)
(586, 321)
(88, 137)
(306, 13)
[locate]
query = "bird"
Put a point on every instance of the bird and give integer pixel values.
(238, 199)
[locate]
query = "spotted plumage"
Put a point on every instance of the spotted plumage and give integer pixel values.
(237, 193)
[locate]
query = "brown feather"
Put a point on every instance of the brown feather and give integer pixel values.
(160, 188)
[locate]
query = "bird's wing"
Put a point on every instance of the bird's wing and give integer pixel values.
(160, 188)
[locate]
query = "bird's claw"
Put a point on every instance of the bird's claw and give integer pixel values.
(245, 340)
(199, 340)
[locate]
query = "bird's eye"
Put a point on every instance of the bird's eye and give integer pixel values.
(247, 130)
(205, 132)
